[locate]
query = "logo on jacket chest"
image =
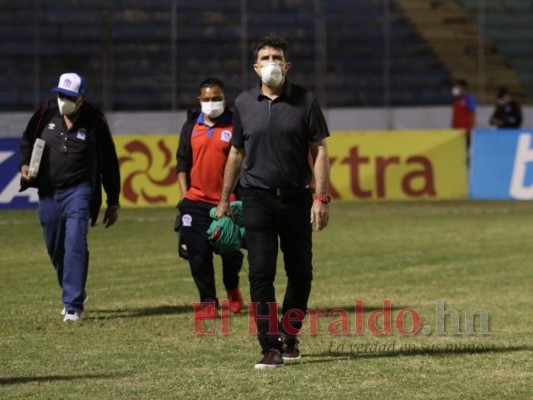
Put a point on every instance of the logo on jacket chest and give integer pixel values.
(82, 133)
(225, 136)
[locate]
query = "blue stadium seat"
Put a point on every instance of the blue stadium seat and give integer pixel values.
(509, 23)
(209, 43)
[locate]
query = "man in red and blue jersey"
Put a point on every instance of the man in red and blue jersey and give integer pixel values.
(464, 108)
(203, 149)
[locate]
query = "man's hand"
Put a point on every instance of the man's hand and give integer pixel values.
(110, 216)
(320, 208)
(223, 209)
(319, 215)
(24, 172)
(25, 178)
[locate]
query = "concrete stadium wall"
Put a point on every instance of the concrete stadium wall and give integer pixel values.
(434, 117)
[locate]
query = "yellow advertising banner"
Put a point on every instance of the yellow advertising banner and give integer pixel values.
(398, 165)
(390, 165)
(148, 170)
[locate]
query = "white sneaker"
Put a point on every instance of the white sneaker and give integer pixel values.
(85, 300)
(72, 316)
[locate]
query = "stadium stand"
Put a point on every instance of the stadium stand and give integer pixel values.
(509, 25)
(124, 48)
(449, 27)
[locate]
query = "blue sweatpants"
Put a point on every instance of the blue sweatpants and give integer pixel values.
(65, 220)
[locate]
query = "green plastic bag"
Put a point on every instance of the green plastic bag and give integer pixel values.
(236, 210)
(226, 234)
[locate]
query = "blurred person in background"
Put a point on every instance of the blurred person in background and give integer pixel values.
(507, 112)
(79, 157)
(203, 149)
(463, 109)
(277, 125)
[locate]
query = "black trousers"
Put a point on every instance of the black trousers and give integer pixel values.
(196, 220)
(267, 218)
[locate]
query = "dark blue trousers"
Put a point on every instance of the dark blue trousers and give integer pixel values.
(65, 219)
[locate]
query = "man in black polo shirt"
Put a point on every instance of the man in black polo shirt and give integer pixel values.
(507, 114)
(78, 158)
(277, 124)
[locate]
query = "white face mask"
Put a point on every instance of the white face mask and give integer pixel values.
(66, 107)
(456, 91)
(213, 109)
(272, 75)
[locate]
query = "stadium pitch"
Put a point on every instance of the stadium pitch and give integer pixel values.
(413, 300)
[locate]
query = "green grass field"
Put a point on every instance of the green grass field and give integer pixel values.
(137, 342)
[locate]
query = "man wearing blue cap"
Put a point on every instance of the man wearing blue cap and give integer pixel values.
(79, 157)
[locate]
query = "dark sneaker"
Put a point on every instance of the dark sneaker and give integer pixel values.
(271, 359)
(290, 350)
(235, 300)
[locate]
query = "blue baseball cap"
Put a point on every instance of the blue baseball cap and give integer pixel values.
(71, 84)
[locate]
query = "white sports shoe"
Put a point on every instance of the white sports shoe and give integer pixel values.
(72, 316)
(85, 300)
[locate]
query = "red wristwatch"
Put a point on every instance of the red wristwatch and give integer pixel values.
(324, 198)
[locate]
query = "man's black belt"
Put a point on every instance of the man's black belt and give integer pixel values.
(284, 192)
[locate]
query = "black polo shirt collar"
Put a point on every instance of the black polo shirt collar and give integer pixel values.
(287, 90)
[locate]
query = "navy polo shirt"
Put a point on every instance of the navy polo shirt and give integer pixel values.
(275, 135)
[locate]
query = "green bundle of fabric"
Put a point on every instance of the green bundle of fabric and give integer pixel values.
(227, 234)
